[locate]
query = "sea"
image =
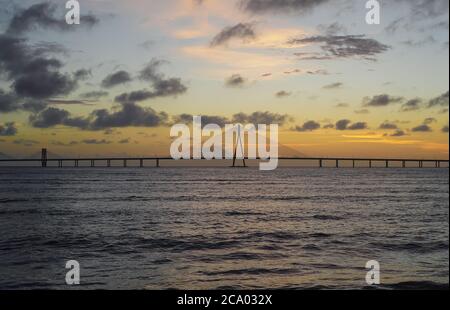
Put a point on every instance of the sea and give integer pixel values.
(223, 228)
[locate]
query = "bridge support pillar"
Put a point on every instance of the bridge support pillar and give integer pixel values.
(157, 163)
(337, 163)
(141, 163)
(125, 163)
(370, 164)
(60, 163)
(354, 163)
(92, 163)
(404, 164)
(387, 163)
(76, 164)
(108, 163)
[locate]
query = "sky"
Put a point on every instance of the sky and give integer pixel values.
(115, 84)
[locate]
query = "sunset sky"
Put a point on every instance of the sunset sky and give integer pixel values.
(116, 83)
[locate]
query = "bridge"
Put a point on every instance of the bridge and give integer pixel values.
(156, 161)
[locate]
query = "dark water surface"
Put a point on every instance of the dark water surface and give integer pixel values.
(191, 228)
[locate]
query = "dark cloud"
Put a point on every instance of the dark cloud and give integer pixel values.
(8, 129)
(358, 126)
(381, 100)
(279, 6)
(445, 129)
(42, 15)
(261, 118)
(134, 96)
(332, 29)
(235, 81)
(95, 141)
(8, 102)
(345, 46)
(346, 124)
(33, 75)
(441, 101)
(333, 85)
(53, 117)
(242, 31)
(283, 94)
(94, 95)
(412, 105)
(82, 74)
(398, 133)
(422, 128)
(308, 126)
(388, 126)
(116, 78)
(206, 119)
(129, 115)
(162, 86)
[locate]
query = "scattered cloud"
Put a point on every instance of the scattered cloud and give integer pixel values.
(116, 78)
(381, 101)
(347, 46)
(242, 31)
(348, 125)
(279, 6)
(440, 101)
(388, 126)
(333, 85)
(283, 94)
(422, 128)
(42, 15)
(8, 129)
(235, 81)
(308, 126)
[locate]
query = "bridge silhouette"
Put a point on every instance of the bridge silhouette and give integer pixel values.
(322, 162)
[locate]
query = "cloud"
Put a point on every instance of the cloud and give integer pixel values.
(430, 120)
(42, 15)
(8, 102)
(8, 129)
(34, 75)
(308, 126)
(116, 78)
(279, 6)
(344, 46)
(348, 125)
(445, 129)
(242, 31)
(206, 119)
(26, 142)
(235, 81)
(333, 85)
(341, 105)
(398, 133)
(422, 128)
(362, 111)
(53, 117)
(283, 94)
(440, 101)
(411, 105)
(95, 141)
(388, 126)
(162, 86)
(261, 118)
(94, 95)
(129, 115)
(381, 100)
